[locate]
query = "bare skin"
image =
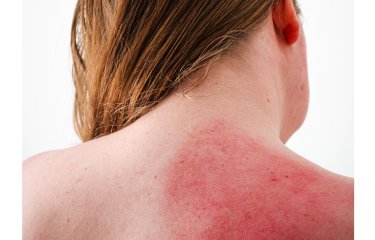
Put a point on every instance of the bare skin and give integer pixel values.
(207, 164)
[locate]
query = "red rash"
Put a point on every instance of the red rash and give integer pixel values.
(223, 185)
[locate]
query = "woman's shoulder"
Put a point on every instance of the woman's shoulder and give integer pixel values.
(60, 187)
(39, 187)
(227, 181)
(254, 190)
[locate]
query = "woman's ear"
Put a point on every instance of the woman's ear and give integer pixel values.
(285, 20)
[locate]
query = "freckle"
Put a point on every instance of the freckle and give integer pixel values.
(85, 168)
(155, 177)
(182, 161)
(302, 87)
(78, 180)
(68, 220)
(268, 100)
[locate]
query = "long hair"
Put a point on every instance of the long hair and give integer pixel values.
(129, 55)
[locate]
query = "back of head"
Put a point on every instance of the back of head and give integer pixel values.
(130, 55)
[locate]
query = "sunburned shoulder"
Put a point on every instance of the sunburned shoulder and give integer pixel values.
(225, 185)
(219, 184)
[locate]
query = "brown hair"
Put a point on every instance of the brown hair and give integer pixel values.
(128, 55)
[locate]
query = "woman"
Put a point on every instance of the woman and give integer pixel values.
(184, 108)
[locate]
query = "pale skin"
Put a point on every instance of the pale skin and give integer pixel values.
(205, 164)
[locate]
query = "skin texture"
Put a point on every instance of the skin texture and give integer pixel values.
(228, 186)
(209, 163)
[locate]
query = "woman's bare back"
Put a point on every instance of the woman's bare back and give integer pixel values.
(204, 156)
(217, 184)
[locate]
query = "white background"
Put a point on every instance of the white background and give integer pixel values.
(326, 137)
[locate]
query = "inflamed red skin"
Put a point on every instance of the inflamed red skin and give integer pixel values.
(224, 185)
